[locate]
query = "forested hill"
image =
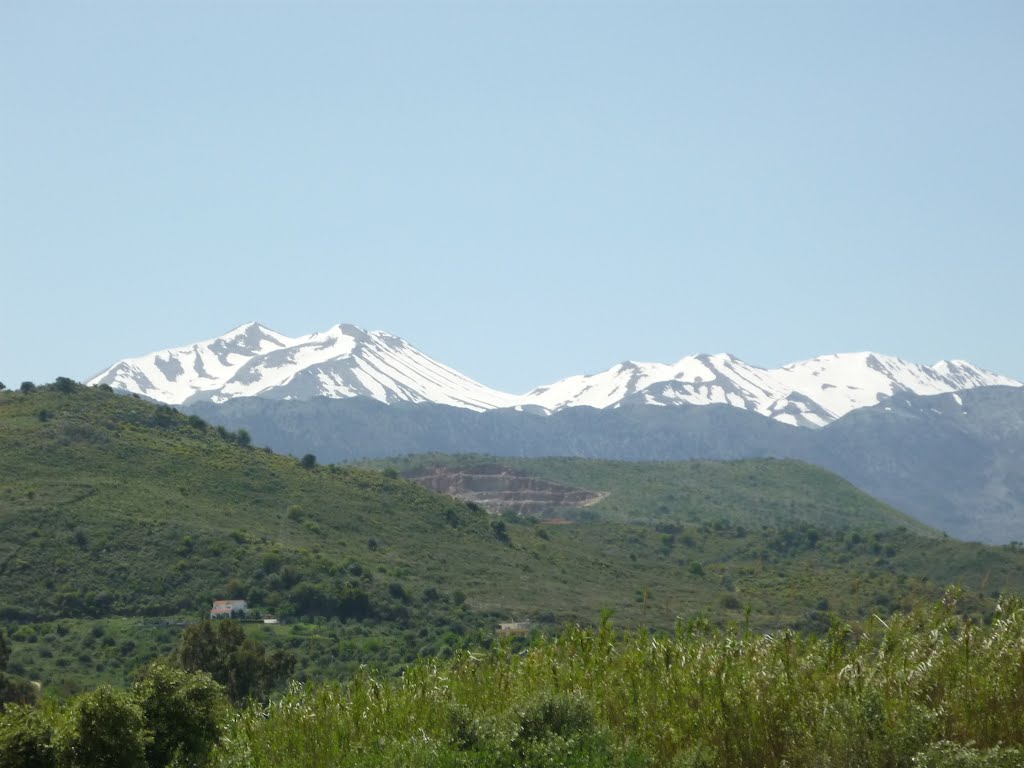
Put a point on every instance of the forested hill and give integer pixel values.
(113, 508)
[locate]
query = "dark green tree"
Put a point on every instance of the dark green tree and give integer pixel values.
(500, 531)
(26, 739)
(308, 461)
(104, 728)
(12, 690)
(5, 651)
(183, 712)
(197, 422)
(239, 663)
(26, 387)
(243, 438)
(64, 385)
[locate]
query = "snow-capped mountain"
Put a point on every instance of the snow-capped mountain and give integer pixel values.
(346, 361)
(343, 361)
(808, 393)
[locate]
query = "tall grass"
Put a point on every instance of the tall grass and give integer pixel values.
(926, 688)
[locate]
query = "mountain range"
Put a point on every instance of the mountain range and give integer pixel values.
(942, 443)
(346, 361)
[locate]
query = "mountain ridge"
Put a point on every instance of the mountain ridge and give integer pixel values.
(347, 361)
(953, 461)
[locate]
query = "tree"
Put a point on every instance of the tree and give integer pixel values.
(26, 387)
(500, 531)
(12, 690)
(5, 651)
(308, 461)
(243, 438)
(26, 739)
(2, 386)
(237, 662)
(64, 385)
(104, 728)
(183, 712)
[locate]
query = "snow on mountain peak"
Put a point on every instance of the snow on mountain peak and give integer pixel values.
(807, 393)
(347, 361)
(343, 361)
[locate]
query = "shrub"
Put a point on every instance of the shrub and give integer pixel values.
(948, 755)
(560, 729)
(397, 591)
(500, 531)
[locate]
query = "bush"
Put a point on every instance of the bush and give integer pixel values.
(948, 755)
(560, 730)
(500, 531)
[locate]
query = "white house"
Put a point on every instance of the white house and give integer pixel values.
(228, 609)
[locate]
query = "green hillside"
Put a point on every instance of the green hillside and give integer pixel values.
(750, 492)
(122, 520)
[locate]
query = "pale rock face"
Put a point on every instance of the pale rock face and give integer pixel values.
(346, 361)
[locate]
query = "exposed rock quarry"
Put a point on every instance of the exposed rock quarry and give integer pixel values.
(499, 489)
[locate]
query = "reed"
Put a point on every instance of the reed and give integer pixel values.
(928, 688)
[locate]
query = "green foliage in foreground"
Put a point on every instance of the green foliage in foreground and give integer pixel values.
(927, 689)
(169, 718)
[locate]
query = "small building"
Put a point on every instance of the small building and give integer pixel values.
(228, 609)
(513, 628)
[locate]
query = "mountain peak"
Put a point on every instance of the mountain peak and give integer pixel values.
(808, 393)
(343, 361)
(348, 361)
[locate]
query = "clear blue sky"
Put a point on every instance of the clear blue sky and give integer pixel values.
(523, 190)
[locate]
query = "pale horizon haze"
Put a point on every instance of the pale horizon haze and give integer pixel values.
(522, 190)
